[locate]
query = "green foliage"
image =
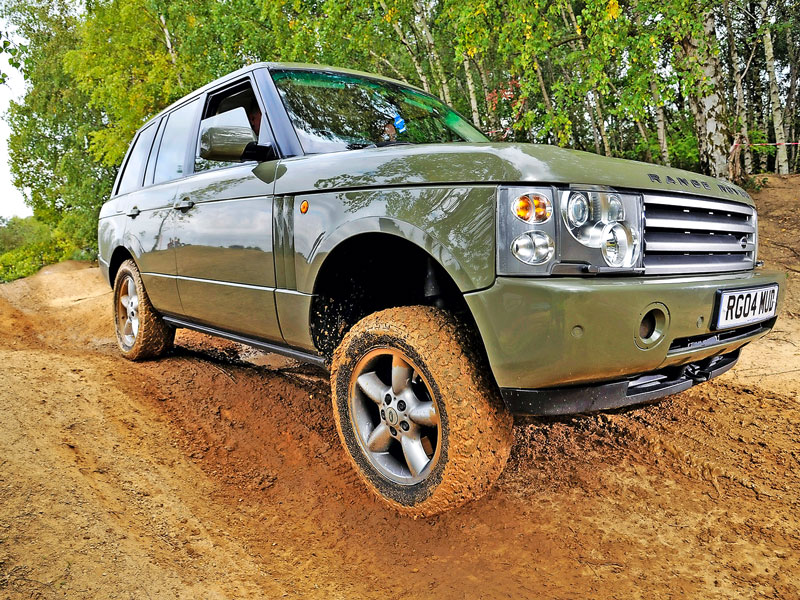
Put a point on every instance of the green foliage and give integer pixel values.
(50, 127)
(28, 259)
(758, 137)
(26, 245)
(755, 183)
(16, 232)
(683, 144)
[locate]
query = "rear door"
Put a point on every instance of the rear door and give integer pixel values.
(153, 222)
(223, 228)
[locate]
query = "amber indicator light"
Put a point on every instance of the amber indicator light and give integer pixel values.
(304, 206)
(532, 208)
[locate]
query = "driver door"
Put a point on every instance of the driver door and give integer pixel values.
(223, 230)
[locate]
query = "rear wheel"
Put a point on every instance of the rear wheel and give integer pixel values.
(420, 419)
(141, 332)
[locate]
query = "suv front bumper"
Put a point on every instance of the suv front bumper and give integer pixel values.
(608, 396)
(567, 331)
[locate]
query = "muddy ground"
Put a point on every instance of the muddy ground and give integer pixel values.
(216, 473)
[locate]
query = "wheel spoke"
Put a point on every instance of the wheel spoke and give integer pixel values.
(372, 386)
(124, 300)
(415, 454)
(424, 414)
(135, 326)
(401, 375)
(379, 439)
(131, 287)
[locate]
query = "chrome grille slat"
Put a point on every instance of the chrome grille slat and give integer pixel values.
(713, 205)
(697, 235)
(663, 219)
(659, 241)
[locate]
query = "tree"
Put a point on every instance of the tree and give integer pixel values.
(51, 125)
(774, 96)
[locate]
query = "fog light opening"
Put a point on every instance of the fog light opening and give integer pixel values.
(651, 329)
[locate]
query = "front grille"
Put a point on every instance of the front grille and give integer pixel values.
(697, 235)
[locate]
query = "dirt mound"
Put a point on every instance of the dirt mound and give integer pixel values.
(216, 473)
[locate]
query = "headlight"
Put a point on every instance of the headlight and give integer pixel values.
(533, 247)
(577, 210)
(610, 223)
(527, 228)
(599, 230)
(618, 245)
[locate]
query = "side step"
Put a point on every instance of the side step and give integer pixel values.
(302, 356)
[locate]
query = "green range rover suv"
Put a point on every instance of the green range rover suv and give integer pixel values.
(448, 283)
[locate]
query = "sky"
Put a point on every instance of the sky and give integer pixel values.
(11, 202)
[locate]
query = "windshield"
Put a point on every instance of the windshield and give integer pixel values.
(332, 112)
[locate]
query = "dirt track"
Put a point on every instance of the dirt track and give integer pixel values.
(216, 473)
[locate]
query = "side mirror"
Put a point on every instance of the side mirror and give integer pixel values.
(233, 142)
(225, 143)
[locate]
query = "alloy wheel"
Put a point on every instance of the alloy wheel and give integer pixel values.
(394, 416)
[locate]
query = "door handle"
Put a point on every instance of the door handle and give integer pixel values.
(184, 204)
(133, 213)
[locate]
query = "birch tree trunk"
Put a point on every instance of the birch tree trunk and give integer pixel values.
(491, 116)
(781, 159)
(398, 29)
(545, 96)
(595, 135)
(601, 126)
(661, 124)
(711, 104)
(473, 98)
(170, 47)
(741, 120)
(707, 106)
(647, 155)
(791, 104)
(433, 53)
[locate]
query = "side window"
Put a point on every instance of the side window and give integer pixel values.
(172, 152)
(132, 175)
(236, 105)
(151, 160)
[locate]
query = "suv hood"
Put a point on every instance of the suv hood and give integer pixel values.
(492, 163)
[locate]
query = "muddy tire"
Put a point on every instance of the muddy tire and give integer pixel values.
(417, 411)
(141, 332)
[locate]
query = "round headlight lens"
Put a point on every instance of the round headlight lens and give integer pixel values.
(532, 208)
(533, 247)
(616, 210)
(577, 210)
(618, 245)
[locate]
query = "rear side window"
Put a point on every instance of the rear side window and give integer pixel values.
(132, 175)
(174, 143)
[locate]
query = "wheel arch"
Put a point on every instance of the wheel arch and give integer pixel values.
(119, 256)
(354, 277)
(390, 228)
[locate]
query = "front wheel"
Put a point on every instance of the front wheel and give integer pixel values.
(141, 332)
(422, 423)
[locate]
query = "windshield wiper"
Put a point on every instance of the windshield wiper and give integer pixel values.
(377, 145)
(393, 143)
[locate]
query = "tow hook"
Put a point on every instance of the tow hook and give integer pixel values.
(700, 372)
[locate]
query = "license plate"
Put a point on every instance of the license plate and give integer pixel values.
(742, 307)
